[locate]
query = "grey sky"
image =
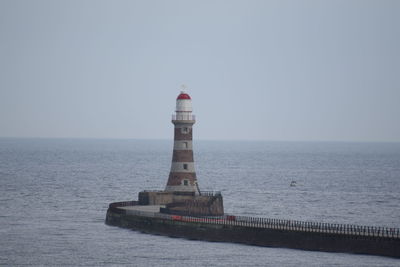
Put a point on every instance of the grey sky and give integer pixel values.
(270, 70)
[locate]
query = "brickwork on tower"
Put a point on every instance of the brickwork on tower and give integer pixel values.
(182, 176)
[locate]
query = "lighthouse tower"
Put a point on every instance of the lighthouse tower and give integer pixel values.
(182, 176)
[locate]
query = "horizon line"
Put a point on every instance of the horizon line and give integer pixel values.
(205, 139)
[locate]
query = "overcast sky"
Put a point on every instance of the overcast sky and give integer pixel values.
(256, 70)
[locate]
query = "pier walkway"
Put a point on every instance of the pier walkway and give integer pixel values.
(132, 208)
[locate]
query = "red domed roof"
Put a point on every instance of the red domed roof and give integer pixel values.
(183, 95)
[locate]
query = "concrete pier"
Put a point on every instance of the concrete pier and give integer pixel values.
(259, 231)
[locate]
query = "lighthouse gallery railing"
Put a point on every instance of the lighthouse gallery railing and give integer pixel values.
(183, 117)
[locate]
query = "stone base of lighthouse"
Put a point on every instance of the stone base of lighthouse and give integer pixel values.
(184, 203)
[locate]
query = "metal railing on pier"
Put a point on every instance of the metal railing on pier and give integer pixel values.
(210, 193)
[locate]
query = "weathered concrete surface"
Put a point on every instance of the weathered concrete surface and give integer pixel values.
(198, 206)
(163, 197)
(147, 208)
(184, 203)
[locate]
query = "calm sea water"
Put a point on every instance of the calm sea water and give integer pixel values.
(54, 195)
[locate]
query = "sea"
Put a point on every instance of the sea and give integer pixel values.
(54, 195)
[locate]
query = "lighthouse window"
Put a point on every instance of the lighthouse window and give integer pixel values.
(185, 182)
(185, 144)
(185, 129)
(185, 166)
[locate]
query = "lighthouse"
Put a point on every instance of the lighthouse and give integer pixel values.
(182, 177)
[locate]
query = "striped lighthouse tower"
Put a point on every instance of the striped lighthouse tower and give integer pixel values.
(182, 176)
